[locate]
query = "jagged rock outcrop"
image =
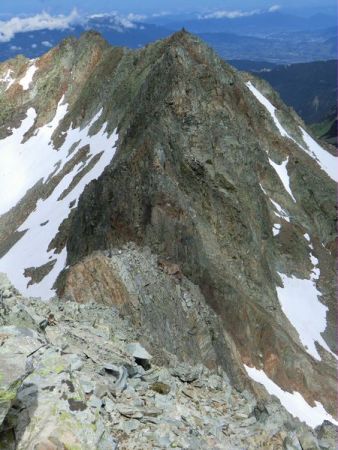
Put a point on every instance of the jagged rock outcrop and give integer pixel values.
(183, 193)
(85, 389)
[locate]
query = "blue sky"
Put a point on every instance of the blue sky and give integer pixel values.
(15, 7)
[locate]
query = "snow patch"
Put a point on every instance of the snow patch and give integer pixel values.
(315, 273)
(327, 162)
(269, 106)
(34, 161)
(276, 229)
(264, 191)
(283, 175)
(293, 402)
(19, 169)
(7, 79)
(28, 78)
(300, 304)
(280, 211)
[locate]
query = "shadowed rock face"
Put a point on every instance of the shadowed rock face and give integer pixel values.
(192, 181)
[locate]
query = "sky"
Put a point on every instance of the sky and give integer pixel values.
(17, 7)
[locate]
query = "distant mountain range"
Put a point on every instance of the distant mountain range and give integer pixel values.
(282, 49)
(276, 38)
(256, 24)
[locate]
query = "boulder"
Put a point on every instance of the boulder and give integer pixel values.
(16, 344)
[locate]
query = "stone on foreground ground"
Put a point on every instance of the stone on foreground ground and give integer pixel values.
(74, 384)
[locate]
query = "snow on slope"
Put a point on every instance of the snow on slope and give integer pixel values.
(21, 167)
(299, 298)
(7, 79)
(326, 161)
(283, 175)
(281, 212)
(294, 403)
(276, 229)
(28, 78)
(269, 106)
(300, 303)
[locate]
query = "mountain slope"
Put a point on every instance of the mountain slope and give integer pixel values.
(328, 128)
(197, 165)
(310, 88)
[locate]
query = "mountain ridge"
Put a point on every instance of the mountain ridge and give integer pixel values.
(212, 174)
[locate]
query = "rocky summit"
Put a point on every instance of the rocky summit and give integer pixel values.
(167, 231)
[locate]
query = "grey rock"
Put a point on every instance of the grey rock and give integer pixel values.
(121, 375)
(95, 402)
(128, 426)
(76, 364)
(101, 390)
(291, 442)
(187, 373)
(109, 405)
(16, 344)
(129, 411)
(260, 411)
(248, 422)
(308, 441)
(67, 407)
(138, 351)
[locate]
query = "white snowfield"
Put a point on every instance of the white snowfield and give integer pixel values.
(26, 81)
(299, 299)
(294, 403)
(8, 79)
(326, 161)
(21, 167)
(300, 303)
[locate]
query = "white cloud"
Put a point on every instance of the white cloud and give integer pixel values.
(237, 13)
(117, 21)
(160, 14)
(47, 44)
(8, 29)
(274, 8)
(136, 17)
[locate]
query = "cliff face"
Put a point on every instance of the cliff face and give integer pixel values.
(185, 194)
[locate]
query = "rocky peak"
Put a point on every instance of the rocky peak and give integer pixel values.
(183, 193)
